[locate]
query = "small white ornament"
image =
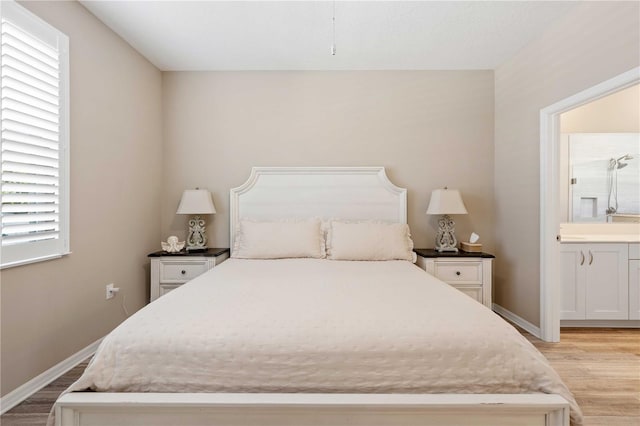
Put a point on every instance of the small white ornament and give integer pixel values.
(172, 245)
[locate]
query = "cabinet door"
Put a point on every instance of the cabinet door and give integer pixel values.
(572, 259)
(634, 289)
(607, 281)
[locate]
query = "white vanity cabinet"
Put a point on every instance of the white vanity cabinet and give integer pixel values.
(634, 281)
(595, 281)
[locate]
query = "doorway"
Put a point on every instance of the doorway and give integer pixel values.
(550, 200)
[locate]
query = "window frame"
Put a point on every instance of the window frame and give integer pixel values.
(38, 251)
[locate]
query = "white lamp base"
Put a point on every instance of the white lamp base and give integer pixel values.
(445, 238)
(197, 240)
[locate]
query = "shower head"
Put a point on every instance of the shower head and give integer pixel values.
(625, 157)
(619, 163)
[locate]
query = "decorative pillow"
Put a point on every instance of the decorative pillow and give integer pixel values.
(279, 240)
(369, 241)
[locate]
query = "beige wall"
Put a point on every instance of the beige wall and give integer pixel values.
(592, 43)
(429, 128)
(616, 113)
(50, 310)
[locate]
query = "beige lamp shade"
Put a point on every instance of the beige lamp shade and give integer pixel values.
(196, 201)
(446, 201)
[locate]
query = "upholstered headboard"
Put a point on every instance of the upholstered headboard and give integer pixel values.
(273, 193)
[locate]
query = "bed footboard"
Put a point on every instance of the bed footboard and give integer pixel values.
(170, 409)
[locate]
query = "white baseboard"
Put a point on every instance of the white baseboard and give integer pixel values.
(23, 392)
(517, 320)
(601, 323)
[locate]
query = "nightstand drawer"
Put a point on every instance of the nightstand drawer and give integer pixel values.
(473, 291)
(459, 272)
(181, 271)
(166, 288)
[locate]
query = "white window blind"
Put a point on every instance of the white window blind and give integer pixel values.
(34, 81)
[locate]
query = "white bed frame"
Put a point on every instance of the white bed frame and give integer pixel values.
(302, 192)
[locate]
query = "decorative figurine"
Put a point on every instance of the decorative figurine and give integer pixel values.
(172, 245)
(197, 235)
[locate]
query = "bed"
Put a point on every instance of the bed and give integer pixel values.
(316, 341)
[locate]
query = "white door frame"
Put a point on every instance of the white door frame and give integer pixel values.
(550, 196)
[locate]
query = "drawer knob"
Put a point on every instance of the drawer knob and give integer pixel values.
(183, 272)
(458, 273)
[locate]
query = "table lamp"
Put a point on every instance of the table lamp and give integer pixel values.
(445, 202)
(196, 202)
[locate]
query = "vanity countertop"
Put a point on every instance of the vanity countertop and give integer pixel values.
(600, 238)
(600, 233)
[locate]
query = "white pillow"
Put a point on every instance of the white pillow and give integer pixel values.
(279, 240)
(369, 241)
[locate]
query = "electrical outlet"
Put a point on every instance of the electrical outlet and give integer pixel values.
(111, 291)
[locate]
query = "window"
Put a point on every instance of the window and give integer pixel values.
(35, 138)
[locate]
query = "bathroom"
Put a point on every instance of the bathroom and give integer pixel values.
(600, 207)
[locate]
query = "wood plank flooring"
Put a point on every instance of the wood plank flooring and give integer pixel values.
(35, 409)
(602, 369)
(600, 366)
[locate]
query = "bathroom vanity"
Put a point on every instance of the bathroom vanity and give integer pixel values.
(600, 274)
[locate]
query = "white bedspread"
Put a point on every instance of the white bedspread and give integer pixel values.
(311, 325)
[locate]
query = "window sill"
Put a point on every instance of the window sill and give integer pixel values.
(35, 260)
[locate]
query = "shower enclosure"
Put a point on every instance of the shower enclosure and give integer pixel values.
(604, 177)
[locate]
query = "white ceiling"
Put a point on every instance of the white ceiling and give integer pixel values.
(283, 35)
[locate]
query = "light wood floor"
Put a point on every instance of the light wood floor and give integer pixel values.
(600, 366)
(602, 369)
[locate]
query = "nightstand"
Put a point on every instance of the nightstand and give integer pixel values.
(468, 272)
(171, 270)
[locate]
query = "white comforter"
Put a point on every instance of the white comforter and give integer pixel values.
(309, 325)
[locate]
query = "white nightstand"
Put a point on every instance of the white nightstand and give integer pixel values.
(169, 271)
(468, 272)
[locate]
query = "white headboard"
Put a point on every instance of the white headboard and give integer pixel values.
(273, 193)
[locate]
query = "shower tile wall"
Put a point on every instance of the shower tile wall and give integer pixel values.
(589, 156)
